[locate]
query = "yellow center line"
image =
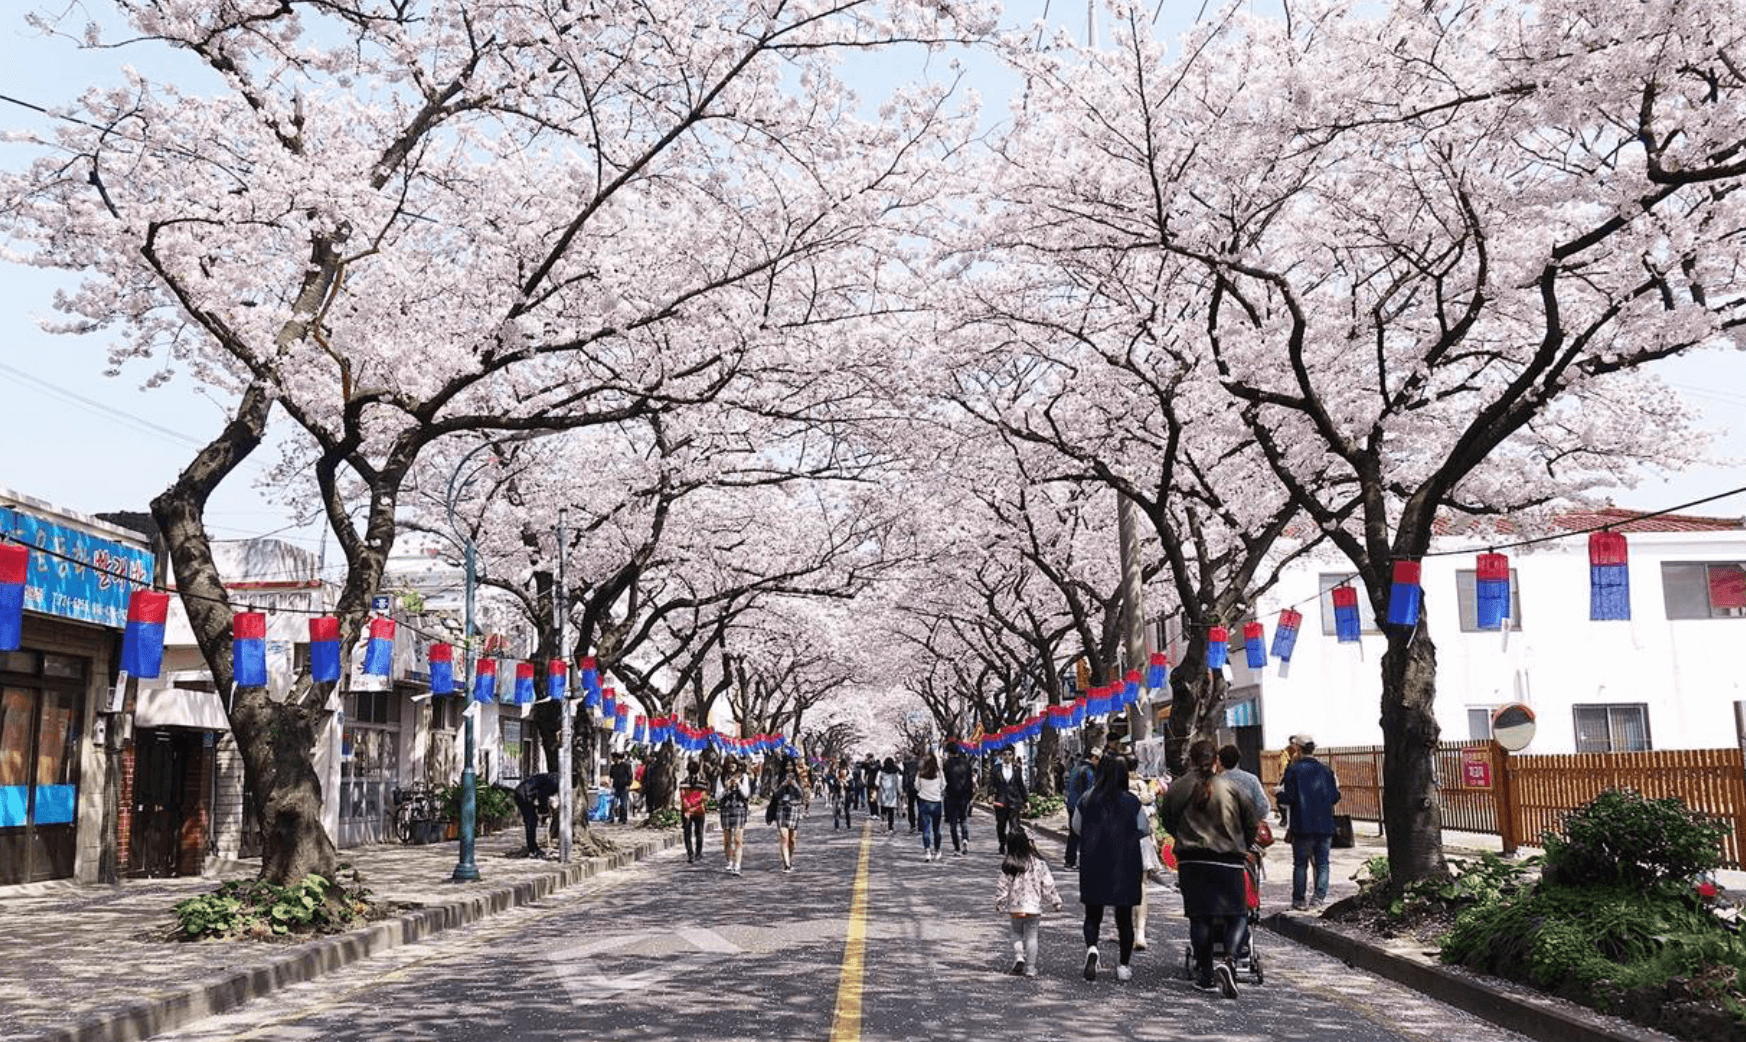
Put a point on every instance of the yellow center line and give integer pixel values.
(846, 1022)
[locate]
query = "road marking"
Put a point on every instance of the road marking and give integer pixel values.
(846, 1022)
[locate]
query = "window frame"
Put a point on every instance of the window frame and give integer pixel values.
(1610, 708)
(1326, 581)
(1467, 601)
(1678, 597)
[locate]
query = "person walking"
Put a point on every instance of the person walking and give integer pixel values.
(1247, 784)
(930, 796)
(1213, 825)
(890, 786)
(960, 790)
(1078, 783)
(1009, 795)
(1147, 794)
(857, 792)
(733, 799)
(870, 784)
(1310, 794)
(693, 809)
(911, 766)
(533, 797)
(786, 802)
(1025, 887)
(621, 775)
(1111, 824)
(837, 786)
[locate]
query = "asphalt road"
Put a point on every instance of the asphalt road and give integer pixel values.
(666, 950)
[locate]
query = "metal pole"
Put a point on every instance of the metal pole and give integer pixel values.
(466, 871)
(1133, 612)
(566, 789)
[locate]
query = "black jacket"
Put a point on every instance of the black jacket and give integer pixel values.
(1010, 791)
(960, 778)
(621, 774)
(910, 770)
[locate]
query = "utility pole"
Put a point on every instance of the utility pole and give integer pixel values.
(566, 790)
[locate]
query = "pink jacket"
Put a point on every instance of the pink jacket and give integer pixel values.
(1027, 892)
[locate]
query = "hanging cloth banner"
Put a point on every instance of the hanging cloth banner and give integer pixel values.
(1285, 634)
(1255, 645)
(1404, 594)
(524, 683)
(1609, 576)
(640, 730)
(1346, 621)
(1158, 671)
(14, 570)
(621, 718)
(609, 703)
(1098, 702)
(558, 679)
(1131, 688)
(248, 649)
(1218, 647)
(1079, 711)
(485, 680)
(442, 669)
(324, 649)
(379, 654)
(1491, 591)
(590, 683)
(142, 644)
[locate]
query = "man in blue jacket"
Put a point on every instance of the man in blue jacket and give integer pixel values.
(1079, 781)
(1310, 792)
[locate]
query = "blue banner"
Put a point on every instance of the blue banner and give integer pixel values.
(90, 579)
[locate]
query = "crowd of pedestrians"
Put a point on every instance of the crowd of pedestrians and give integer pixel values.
(1215, 814)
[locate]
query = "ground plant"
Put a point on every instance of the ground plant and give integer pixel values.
(1039, 806)
(665, 818)
(1624, 919)
(255, 908)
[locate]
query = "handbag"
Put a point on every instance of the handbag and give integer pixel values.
(1263, 835)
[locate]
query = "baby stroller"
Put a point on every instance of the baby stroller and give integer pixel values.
(1246, 960)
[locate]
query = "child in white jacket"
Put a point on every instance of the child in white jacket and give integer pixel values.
(1025, 886)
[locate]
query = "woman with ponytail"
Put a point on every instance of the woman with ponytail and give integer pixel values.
(1213, 825)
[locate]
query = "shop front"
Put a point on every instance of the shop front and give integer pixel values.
(42, 708)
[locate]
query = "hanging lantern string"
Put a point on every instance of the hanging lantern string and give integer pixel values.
(1535, 541)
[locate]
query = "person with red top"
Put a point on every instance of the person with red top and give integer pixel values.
(693, 810)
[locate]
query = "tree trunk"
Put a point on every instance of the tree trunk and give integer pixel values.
(1411, 808)
(1048, 746)
(276, 741)
(1197, 704)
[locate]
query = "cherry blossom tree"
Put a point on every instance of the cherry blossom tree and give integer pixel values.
(393, 222)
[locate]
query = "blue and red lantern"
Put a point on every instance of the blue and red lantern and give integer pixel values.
(524, 683)
(1404, 595)
(442, 669)
(1346, 621)
(1491, 591)
(1218, 647)
(608, 703)
(590, 683)
(14, 571)
(1158, 670)
(640, 730)
(1131, 688)
(1255, 645)
(379, 653)
(621, 718)
(1285, 633)
(248, 649)
(1609, 576)
(142, 644)
(485, 680)
(558, 679)
(324, 649)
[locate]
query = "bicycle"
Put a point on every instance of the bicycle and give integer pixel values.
(413, 806)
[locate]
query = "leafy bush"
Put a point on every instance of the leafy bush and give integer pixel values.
(1486, 881)
(492, 804)
(1043, 806)
(665, 818)
(1623, 837)
(255, 908)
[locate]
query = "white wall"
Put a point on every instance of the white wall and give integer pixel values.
(1686, 671)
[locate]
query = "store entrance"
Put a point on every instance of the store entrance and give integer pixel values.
(166, 803)
(39, 765)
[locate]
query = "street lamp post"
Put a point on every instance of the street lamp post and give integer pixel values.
(466, 871)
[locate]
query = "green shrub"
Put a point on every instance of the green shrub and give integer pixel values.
(1039, 806)
(255, 908)
(1468, 884)
(1623, 837)
(665, 818)
(492, 804)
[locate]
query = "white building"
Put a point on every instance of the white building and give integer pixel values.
(1669, 678)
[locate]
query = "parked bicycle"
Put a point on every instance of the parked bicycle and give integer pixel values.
(413, 806)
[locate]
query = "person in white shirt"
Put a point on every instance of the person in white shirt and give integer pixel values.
(930, 795)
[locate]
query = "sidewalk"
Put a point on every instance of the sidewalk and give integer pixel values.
(96, 963)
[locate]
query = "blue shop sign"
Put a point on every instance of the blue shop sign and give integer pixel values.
(80, 576)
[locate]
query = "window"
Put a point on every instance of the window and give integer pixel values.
(445, 713)
(1366, 617)
(1704, 589)
(1467, 601)
(1478, 722)
(1612, 729)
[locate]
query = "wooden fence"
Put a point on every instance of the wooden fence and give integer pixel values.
(1535, 792)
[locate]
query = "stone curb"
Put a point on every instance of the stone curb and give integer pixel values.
(1539, 1017)
(165, 1012)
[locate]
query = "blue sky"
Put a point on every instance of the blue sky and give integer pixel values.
(79, 439)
